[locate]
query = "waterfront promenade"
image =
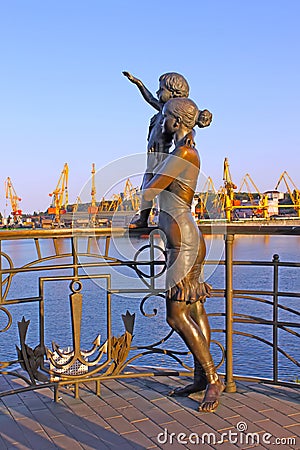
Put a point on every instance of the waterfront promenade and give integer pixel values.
(135, 414)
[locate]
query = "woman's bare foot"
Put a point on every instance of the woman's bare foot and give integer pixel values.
(189, 389)
(211, 397)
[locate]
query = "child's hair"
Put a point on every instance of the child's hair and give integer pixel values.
(176, 83)
(188, 112)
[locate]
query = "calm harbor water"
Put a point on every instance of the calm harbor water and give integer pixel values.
(251, 356)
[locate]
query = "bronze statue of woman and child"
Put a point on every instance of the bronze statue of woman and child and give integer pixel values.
(173, 178)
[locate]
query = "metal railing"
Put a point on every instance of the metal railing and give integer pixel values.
(260, 296)
(33, 260)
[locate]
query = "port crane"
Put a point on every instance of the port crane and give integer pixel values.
(207, 190)
(248, 182)
(128, 199)
(60, 196)
(226, 193)
(262, 206)
(130, 194)
(75, 206)
(116, 203)
(14, 199)
(294, 194)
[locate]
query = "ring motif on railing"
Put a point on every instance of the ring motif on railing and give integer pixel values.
(9, 319)
(7, 280)
(142, 274)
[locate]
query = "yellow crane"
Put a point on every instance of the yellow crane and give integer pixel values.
(227, 193)
(14, 199)
(128, 199)
(248, 182)
(115, 203)
(294, 194)
(75, 206)
(130, 194)
(60, 195)
(262, 207)
(104, 205)
(208, 188)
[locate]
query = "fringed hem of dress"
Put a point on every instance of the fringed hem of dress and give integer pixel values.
(189, 291)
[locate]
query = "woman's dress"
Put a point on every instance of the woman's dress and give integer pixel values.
(185, 244)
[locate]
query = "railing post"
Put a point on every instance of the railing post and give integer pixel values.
(152, 256)
(0, 272)
(230, 383)
(275, 317)
(74, 243)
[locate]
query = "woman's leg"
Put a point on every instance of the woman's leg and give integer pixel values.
(198, 314)
(180, 319)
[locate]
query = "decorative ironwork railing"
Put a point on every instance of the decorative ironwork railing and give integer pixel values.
(76, 306)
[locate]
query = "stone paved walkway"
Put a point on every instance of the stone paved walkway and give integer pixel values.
(137, 414)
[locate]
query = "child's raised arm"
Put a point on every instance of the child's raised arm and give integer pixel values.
(144, 91)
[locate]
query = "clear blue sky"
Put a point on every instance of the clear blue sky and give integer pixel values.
(64, 98)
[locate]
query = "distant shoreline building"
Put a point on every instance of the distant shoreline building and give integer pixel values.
(273, 200)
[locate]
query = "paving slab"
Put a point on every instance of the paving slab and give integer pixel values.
(138, 414)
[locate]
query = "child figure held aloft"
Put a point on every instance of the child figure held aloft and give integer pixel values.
(171, 85)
